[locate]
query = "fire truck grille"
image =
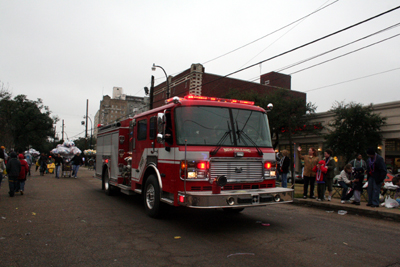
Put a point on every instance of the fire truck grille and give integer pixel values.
(237, 171)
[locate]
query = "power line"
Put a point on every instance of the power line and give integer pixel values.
(351, 52)
(306, 44)
(278, 38)
(297, 48)
(337, 48)
(234, 50)
(355, 79)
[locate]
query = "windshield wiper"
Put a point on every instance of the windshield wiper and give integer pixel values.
(222, 140)
(240, 132)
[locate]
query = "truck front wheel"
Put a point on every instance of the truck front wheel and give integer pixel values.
(152, 197)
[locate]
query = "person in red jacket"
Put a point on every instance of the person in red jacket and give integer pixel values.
(320, 171)
(22, 174)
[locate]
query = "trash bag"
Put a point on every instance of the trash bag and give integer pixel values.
(391, 203)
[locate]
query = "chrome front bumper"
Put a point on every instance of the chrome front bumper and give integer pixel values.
(235, 198)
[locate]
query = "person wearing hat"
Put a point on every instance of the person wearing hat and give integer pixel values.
(376, 174)
(320, 171)
(13, 169)
(22, 173)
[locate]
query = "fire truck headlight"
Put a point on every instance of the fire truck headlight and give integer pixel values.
(192, 175)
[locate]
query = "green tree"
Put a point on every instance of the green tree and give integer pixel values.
(81, 143)
(354, 128)
(27, 123)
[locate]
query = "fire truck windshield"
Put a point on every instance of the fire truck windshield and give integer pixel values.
(205, 125)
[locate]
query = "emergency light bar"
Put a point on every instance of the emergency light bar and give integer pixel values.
(208, 98)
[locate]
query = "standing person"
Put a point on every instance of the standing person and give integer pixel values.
(278, 156)
(58, 161)
(310, 161)
(358, 162)
(345, 181)
(330, 166)
(13, 169)
(2, 153)
(320, 171)
(284, 167)
(2, 168)
(376, 173)
(42, 163)
(28, 158)
(22, 173)
(76, 161)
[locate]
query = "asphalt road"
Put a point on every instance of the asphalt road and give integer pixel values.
(71, 222)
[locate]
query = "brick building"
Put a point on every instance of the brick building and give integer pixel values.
(196, 81)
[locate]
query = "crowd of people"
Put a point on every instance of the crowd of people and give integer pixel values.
(18, 167)
(351, 178)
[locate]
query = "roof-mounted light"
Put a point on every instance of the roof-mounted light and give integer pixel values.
(208, 98)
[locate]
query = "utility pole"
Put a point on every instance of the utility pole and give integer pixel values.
(87, 108)
(62, 131)
(151, 92)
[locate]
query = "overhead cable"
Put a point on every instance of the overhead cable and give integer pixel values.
(323, 62)
(306, 44)
(234, 50)
(337, 48)
(359, 78)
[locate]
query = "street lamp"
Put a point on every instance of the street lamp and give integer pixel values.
(153, 68)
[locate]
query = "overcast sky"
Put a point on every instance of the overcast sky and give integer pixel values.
(65, 52)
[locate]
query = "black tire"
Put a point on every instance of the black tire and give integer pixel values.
(152, 197)
(233, 210)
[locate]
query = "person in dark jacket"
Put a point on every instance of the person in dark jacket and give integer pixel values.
(22, 174)
(58, 161)
(376, 173)
(284, 167)
(43, 163)
(76, 161)
(330, 166)
(13, 169)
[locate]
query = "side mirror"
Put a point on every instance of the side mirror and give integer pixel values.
(160, 139)
(270, 107)
(160, 128)
(160, 123)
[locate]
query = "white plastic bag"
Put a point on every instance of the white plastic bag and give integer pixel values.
(391, 203)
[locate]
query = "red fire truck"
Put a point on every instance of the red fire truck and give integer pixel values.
(196, 152)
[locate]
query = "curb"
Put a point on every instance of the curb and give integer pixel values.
(379, 213)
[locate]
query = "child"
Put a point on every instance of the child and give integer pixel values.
(396, 181)
(358, 174)
(320, 170)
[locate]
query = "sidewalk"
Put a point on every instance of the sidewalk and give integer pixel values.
(335, 206)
